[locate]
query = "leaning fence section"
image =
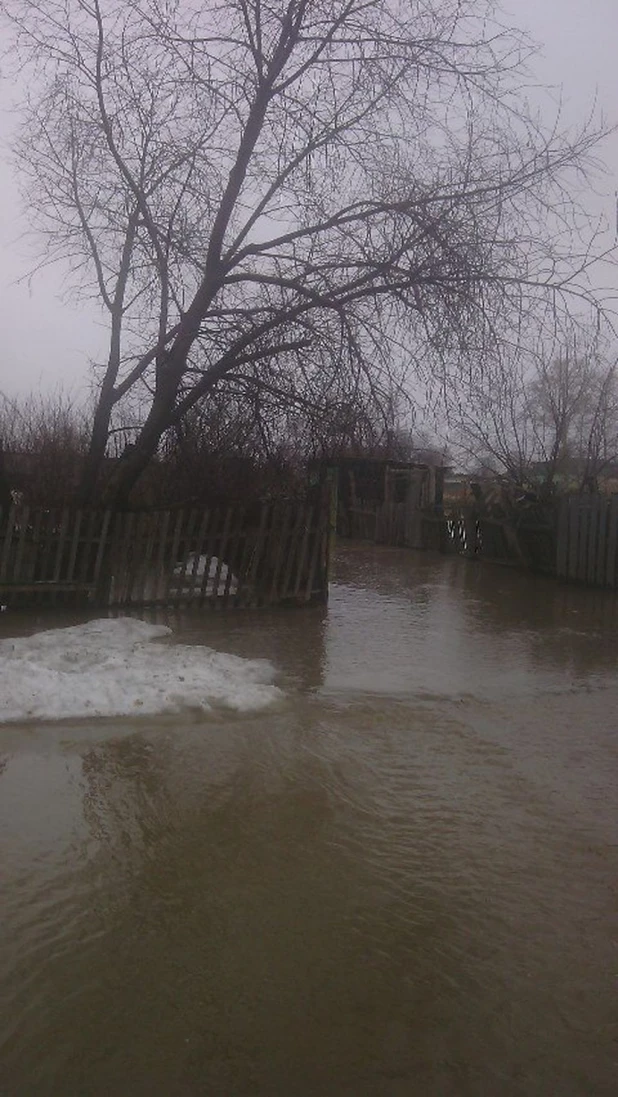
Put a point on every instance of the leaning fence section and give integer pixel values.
(208, 557)
(48, 555)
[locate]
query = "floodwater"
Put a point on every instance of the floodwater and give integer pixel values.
(401, 881)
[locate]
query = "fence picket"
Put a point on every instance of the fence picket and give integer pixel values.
(221, 553)
(292, 555)
(313, 564)
(601, 553)
(180, 569)
(168, 587)
(152, 534)
(562, 540)
(74, 543)
(6, 531)
(62, 532)
(21, 541)
(126, 558)
(159, 569)
(591, 546)
(190, 585)
(574, 526)
(302, 554)
(280, 537)
(206, 552)
(86, 548)
(246, 592)
(231, 574)
(612, 543)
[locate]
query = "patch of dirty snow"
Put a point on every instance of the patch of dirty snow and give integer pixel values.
(196, 570)
(116, 667)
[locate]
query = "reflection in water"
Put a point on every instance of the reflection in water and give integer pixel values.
(401, 881)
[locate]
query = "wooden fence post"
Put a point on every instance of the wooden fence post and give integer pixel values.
(332, 480)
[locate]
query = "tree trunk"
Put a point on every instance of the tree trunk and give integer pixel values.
(126, 474)
(137, 457)
(91, 473)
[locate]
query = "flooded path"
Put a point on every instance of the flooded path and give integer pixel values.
(400, 880)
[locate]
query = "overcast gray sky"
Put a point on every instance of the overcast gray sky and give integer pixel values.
(47, 339)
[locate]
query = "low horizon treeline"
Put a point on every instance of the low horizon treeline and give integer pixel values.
(215, 457)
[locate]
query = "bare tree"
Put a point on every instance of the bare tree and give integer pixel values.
(535, 417)
(306, 196)
(574, 409)
(489, 421)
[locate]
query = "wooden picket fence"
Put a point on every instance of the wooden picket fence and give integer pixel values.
(587, 541)
(220, 558)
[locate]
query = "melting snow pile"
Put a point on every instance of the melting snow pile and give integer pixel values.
(113, 668)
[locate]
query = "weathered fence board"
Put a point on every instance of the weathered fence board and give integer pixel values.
(189, 557)
(588, 540)
(612, 543)
(361, 523)
(601, 573)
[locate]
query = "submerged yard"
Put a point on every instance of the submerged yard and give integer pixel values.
(366, 850)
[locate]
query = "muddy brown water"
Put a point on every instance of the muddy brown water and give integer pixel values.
(400, 881)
